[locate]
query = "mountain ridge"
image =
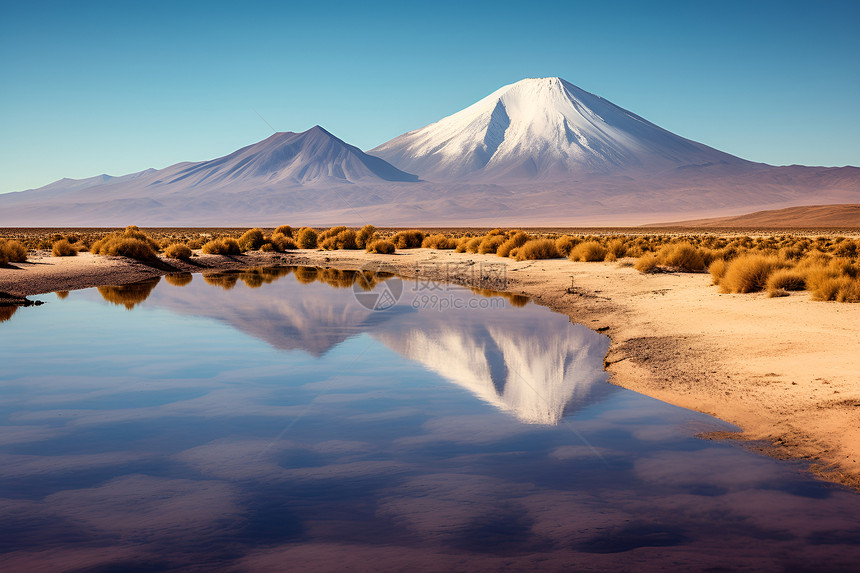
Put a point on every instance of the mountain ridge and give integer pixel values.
(536, 152)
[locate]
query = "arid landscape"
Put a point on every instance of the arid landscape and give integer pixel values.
(794, 396)
(394, 287)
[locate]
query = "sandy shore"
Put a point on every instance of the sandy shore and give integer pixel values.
(784, 370)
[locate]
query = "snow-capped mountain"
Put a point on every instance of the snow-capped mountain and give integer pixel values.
(536, 152)
(546, 128)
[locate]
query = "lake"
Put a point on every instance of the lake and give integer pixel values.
(312, 419)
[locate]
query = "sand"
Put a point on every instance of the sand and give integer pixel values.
(786, 371)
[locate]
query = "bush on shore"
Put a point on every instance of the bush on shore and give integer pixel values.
(411, 239)
(178, 251)
(537, 249)
(63, 248)
(365, 236)
(749, 273)
(132, 243)
(589, 251)
(381, 247)
(12, 251)
(222, 246)
(438, 241)
(284, 230)
(306, 238)
(252, 239)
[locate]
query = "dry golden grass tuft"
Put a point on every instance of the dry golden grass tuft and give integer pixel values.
(717, 270)
(338, 238)
(178, 251)
(490, 244)
(515, 240)
(410, 239)
(252, 239)
(365, 235)
(749, 273)
(565, 244)
(439, 241)
(381, 247)
(681, 256)
(537, 249)
(284, 230)
(306, 238)
(12, 251)
(222, 246)
(589, 251)
(647, 263)
(786, 280)
(132, 243)
(63, 248)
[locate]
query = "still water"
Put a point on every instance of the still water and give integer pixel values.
(303, 419)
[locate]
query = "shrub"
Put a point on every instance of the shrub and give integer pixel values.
(331, 232)
(12, 251)
(786, 279)
(438, 241)
(749, 273)
(537, 249)
(473, 244)
(839, 288)
(252, 239)
(589, 251)
(132, 243)
(681, 256)
(515, 240)
(565, 244)
(647, 263)
(364, 236)
(617, 248)
(284, 230)
(717, 270)
(491, 243)
(224, 246)
(177, 251)
(381, 247)
(347, 239)
(63, 248)
(281, 242)
(411, 239)
(307, 238)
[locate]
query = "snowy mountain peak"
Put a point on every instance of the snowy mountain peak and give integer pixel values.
(541, 127)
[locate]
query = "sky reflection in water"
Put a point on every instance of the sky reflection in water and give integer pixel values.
(265, 420)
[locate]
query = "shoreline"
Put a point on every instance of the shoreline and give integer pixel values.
(783, 370)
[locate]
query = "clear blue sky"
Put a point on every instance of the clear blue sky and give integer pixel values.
(117, 87)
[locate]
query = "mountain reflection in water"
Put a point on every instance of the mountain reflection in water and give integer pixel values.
(531, 363)
(282, 425)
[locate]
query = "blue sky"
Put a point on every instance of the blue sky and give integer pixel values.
(117, 87)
